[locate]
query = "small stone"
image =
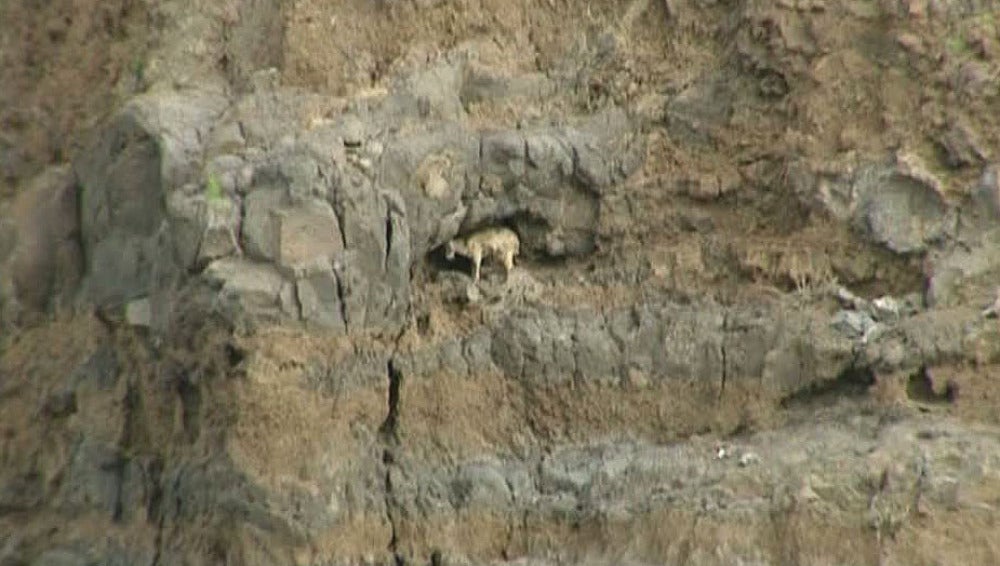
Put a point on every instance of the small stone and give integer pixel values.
(871, 333)
(961, 146)
(993, 310)
(353, 131)
(989, 189)
(910, 42)
(139, 313)
(748, 458)
(849, 299)
(436, 187)
(853, 322)
(59, 404)
(806, 493)
(886, 307)
(637, 378)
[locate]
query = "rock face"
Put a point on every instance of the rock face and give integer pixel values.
(41, 244)
(338, 213)
(753, 319)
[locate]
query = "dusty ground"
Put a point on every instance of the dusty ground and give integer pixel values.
(65, 66)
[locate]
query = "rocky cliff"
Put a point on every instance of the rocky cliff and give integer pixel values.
(753, 319)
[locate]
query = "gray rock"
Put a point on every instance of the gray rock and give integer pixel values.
(21, 492)
(411, 162)
(8, 238)
(598, 358)
(786, 351)
(59, 404)
(482, 85)
(988, 191)
(221, 221)
(140, 479)
(306, 234)
(319, 300)
(605, 483)
(149, 148)
(435, 92)
(226, 137)
(964, 275)
(902, 208)
(695, 112)
(352, 130)
(138, 313)
(260, 227)
(887, 308)
(185, 208)
(960, 146)
(480, 485)
(249, 288)
(569, 470)
(802, 351)
(92, 481)
(41, 261)
(215, 489)
(925, 339)
(262, 117)
(352, 193)
(101, 370)
(11, 550)
(853, 323)
(62, 557)
(536, 347)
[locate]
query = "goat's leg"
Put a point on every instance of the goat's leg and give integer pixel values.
(477, 259)
(235, 241)
(508, 263)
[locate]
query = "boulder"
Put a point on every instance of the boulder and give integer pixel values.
(126, 173)
(901, 207)
(42, 262)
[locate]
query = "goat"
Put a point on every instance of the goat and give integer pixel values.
(498, 243)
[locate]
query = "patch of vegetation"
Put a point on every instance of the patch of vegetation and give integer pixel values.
(138, 69)
(213, 189)
(956, 45)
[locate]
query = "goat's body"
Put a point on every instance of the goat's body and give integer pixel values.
(498, 243)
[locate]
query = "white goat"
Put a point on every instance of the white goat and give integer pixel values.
(498, 243)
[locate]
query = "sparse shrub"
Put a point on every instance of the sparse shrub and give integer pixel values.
(213, 189)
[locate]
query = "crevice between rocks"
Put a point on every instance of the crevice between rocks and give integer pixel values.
(852, 382)
(160, 512)
(131, 409)
(390, 426)
(341, 298)
(480, 164)
(297, 299)
(388, 240)
(389, 434)
(722, 355)
(340, 213)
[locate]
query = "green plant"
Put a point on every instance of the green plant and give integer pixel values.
(956, 45)
(138, 69)
(213, 190)
(988, 18)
